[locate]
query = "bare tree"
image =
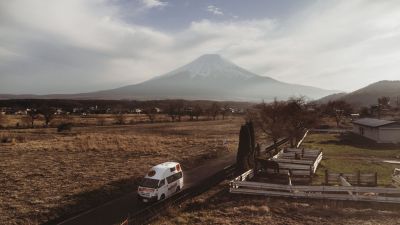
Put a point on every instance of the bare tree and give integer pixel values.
(120, 118)
(151, 113)
(298, 117)
(197, 111)
(214, 110)
(224, 111)
(270, 119)
(175, 109)
(365, 112)
(383, 103)
(31, 117)
(180, 106)
(48, 114)
(171, 111)
(281, 119)
(338, 109)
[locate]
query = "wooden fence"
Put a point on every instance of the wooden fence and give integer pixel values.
(396, 178)
(270, 150)
(306, 166)
(357, 179)
(301, 141)
(350, 193)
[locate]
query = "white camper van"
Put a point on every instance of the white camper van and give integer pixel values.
(162, 181)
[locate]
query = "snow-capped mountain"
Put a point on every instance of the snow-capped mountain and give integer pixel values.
(212, 65)
(209, 77)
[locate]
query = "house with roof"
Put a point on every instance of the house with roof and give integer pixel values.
(380, 131)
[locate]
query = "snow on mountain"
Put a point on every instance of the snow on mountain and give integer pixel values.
(212, 65)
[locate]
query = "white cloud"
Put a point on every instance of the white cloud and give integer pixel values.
(75, 45)
(81, 46)
(214, 10)
(154, 3)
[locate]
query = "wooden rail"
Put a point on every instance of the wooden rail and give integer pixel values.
(396, 178)
(270, 149)
(350, 193)
(306, 166)
(245, 176)
(358, 178)
(301, 141)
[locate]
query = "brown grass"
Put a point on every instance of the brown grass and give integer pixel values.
(13, 121)
(50, 174)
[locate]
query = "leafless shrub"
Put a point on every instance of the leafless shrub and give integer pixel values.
(120, 118)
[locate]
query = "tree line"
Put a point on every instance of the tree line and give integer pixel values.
(175, 109)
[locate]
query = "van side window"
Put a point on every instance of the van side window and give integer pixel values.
(178, 175)
(174, 177)
(162, 182)
(170, 179)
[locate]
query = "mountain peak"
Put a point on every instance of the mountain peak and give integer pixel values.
(211, 66)
(212, 57)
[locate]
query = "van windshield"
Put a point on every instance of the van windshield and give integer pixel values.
(150, 183)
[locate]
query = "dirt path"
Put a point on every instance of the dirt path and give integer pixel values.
(115, 211)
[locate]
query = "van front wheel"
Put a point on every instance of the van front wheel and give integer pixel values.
(162, 197)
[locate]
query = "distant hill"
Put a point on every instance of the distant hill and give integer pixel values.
(209, 77)
(331, 97)
(369, 95)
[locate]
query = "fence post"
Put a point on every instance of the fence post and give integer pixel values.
(326, 177)
(311, 174)
(359, 178)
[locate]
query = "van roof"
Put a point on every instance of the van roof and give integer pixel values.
(162, 170)
(165, 165)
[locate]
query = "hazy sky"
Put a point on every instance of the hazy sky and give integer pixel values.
(67, 46)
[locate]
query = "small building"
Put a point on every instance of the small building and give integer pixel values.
(355, 116)
(138, 111)
(380, 131)
(157, 110)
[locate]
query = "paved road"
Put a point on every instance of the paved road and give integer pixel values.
(116, 210)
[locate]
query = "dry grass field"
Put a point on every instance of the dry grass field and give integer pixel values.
(45, 174)
(13, 121)
(220, 207)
